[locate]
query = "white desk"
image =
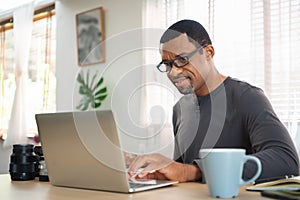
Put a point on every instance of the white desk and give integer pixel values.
(35, 190)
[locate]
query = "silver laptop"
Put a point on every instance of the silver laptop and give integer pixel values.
(82, 150)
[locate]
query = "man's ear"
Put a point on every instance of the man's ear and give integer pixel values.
(210, 51)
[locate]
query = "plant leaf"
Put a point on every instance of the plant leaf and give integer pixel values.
(79, 78)
(97, 105)
(93, 80)
(98, 83)
(83, 90)
(92, 95)
(101, 98)
(101, 91)
(85, 106)
(87, 77)
(79, 106)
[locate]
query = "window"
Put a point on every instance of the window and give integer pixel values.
(41, 81)
(256, 41)
(261, 44)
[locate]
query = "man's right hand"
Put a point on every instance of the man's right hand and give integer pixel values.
(157, 166)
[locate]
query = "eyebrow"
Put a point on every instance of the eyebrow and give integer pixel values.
(182, 54)
(177, 56)
(166, 61)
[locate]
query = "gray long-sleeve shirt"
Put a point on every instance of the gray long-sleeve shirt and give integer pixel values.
(234, 115)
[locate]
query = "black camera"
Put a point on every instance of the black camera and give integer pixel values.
(22, 165)
(27, 162)
(42, 172)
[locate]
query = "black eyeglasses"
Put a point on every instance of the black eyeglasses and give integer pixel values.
(180, 62)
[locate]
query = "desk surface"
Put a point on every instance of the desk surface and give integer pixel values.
(35, 190)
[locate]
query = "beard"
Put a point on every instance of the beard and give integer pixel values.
(186, 90)
(183, 89)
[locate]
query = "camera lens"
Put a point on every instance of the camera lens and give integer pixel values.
(22, 165)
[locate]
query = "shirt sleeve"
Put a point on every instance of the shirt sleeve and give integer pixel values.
(270, 140)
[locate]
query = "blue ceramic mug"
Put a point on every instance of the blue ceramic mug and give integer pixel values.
(223, 170)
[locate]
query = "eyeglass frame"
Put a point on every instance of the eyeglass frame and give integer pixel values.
(171, 63)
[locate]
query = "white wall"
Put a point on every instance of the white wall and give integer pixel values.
(122, 69)
(119, 18)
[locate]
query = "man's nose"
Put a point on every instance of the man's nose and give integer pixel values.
(175, 71)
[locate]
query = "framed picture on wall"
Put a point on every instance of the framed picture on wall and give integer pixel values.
(90, 37)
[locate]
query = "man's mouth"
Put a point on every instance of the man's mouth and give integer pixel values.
(182, 81)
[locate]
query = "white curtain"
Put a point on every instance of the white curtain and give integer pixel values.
(158, 15)
(159, 95)
(23, 21)
(260, 43)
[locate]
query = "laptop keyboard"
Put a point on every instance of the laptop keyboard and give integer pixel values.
(137, 185)
(134, 183)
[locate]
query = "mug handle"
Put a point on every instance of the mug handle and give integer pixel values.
(258, 163)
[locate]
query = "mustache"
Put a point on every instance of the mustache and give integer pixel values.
(179, 76)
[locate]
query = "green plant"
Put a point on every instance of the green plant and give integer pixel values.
(92, 92)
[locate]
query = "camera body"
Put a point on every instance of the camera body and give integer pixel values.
(42, 172)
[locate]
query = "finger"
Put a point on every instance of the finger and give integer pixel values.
(129, 158)
(156, 175)
(150, 169)
(148, 176)
(138, 162)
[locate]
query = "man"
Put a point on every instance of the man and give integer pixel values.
(215, 112)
